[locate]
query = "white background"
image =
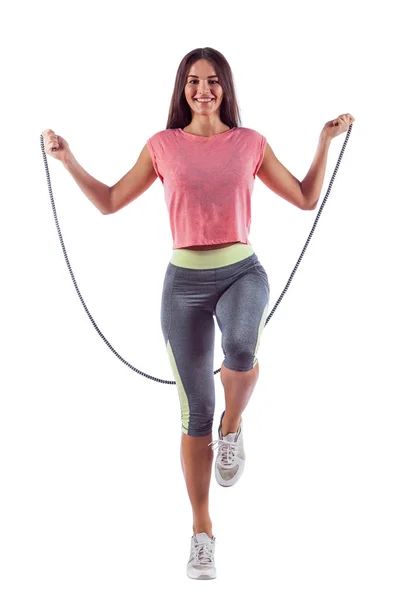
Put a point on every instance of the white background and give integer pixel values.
(93, 501)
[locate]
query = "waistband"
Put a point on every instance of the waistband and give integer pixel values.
(210, 259)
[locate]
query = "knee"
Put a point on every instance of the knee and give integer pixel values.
(240, 358)
(199, 425)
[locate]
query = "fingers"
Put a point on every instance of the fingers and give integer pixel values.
(53, 143)
(51, 140)
(343, 119)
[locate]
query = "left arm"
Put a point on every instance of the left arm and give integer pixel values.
(312, 183)
(304, 194)
(275, 176)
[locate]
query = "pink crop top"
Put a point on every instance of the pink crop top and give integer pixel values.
(208, 183)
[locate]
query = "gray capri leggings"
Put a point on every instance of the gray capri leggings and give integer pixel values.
(231, 284)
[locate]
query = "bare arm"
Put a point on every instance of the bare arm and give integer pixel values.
(313, 181)
(109, 200)
(134, 183)
(98, 193)
(281, 181)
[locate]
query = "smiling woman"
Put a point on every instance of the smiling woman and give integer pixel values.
(207, 163)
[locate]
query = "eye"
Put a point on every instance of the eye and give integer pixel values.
(212, 80)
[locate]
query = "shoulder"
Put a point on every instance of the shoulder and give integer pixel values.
(254, 140)
(164, 135)
(251, 134)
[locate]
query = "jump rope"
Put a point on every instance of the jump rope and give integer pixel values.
(273, 309)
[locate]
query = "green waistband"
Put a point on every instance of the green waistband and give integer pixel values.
(210, 259)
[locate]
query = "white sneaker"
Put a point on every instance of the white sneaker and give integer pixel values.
(230, 461)
(201, 561)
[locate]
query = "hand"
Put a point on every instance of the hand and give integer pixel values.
(333, 128)
(55, 145)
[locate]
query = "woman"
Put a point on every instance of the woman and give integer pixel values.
(207, 164)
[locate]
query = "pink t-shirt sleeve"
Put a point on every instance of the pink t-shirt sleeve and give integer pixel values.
(263, 143)
(154, 159)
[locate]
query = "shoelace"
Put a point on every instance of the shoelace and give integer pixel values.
(202, 553)
(227, 450)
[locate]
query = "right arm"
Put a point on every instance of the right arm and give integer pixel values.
(97, 192)
(134, 183)
(109, 200)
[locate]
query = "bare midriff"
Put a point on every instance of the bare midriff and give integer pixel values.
(213, 247)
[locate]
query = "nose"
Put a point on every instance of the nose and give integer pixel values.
(204, 88)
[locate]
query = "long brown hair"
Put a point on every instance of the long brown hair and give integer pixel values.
(180, 114)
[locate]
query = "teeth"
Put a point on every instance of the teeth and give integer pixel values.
(203, 100)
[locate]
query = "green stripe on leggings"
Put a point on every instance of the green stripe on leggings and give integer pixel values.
(181, 391)
(260, 330)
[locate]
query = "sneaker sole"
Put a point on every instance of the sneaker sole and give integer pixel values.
(203, 576)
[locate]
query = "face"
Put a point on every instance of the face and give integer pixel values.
(202, 82)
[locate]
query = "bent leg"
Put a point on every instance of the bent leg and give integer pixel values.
(241, 313)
